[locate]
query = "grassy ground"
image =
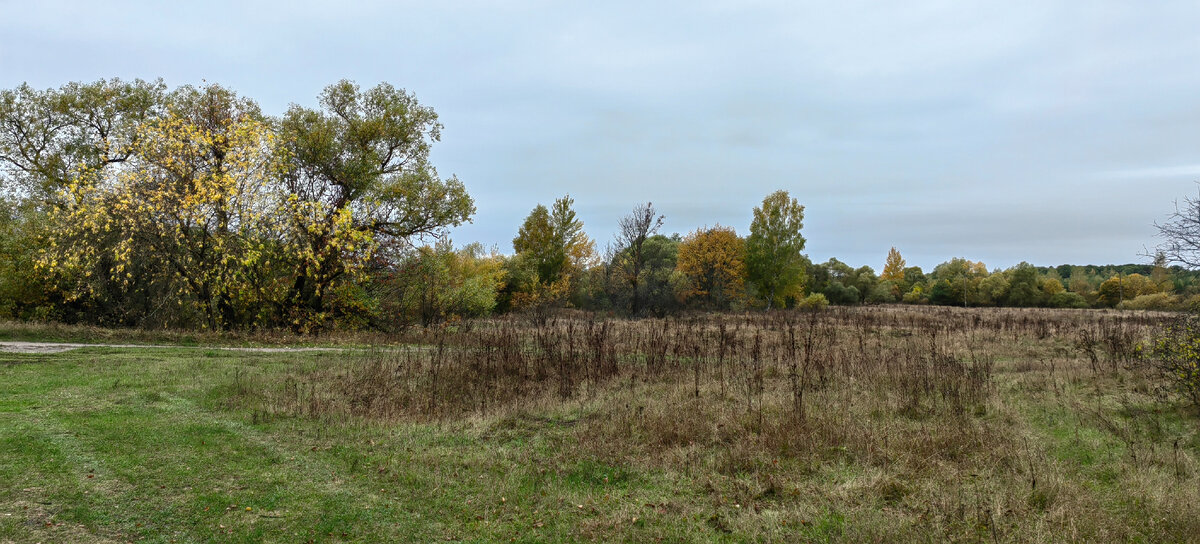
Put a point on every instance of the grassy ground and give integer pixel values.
(170, 445)
(58, 332)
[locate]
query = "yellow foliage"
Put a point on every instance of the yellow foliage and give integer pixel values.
(204, 202)
(713, 263)
(893, 269)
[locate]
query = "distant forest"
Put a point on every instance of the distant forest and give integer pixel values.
(132, 204)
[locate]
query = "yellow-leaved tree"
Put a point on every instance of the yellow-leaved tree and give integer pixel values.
(713, 263)
(195, 197)
(893, 268)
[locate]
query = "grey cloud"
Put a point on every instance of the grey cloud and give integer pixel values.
(1042, 131)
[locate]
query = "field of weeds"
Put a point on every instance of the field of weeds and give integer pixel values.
(866, 424)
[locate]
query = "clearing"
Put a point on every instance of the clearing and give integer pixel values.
(870, 424)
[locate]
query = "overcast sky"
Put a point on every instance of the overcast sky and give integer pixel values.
(1049, 132)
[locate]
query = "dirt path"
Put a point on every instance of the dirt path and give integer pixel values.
(59, 347)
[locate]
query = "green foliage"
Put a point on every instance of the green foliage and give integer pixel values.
(49, 137)
(552, 253)
(437, 283)
(1023, 287)
(359, 168)
(774, 264)
(24, 292)
(658, 280)
(815, 301)
(1156, 301)
(1067, 300)
(190, 207)
(553, 241)
(629, 259)
(839, 293)
(128, 203)
(915, 296)
(914, 276)
(839, 282)
(884, 292)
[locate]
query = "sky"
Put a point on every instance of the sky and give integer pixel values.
(1048, 132)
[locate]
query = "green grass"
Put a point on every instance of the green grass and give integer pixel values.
(113, 445)
(57, 332)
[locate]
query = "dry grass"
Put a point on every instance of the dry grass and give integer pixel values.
(871, 424)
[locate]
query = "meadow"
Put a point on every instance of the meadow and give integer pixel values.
(864, 424)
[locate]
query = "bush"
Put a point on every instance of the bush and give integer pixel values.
(916, 296)
(838, 293)
(815, 301)
(1175, 352)
(1156, 301)
(884, 292)
(1191, 304)
(1066, 299)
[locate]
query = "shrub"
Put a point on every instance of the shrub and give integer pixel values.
(1156, 301)
(916, 296)
(815, 301)
(1066, 299)
(1175, 352)
(838, 293)
(884, 292)
(1191, 304)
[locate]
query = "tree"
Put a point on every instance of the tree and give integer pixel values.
(553, 239)
(659, 278)
(956, 282)
(1052, 286)
(629, 256)
(1181, 234)
(893, 269)
(155, 196)
(49, 137)
(196, 197)
(774, 263)
(551, 250)
(1023, 287)
(1111, 291)
(839, 282)
(435, 283)
(713, 263)
(358, 169)
(1079, 283)
(1159, 274)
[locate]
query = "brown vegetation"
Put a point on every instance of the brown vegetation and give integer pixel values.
(996, 424)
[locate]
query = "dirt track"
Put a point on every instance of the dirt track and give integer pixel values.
(57, 347)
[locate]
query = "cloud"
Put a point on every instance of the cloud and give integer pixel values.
(1182, 171)
(893, 123)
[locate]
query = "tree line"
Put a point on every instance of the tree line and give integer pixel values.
(129, 203)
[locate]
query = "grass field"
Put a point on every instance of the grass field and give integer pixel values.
(873, 424)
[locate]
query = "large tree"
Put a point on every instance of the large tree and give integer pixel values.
(359, 171)
(774, 263)
(196, 200)
(164, 189)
